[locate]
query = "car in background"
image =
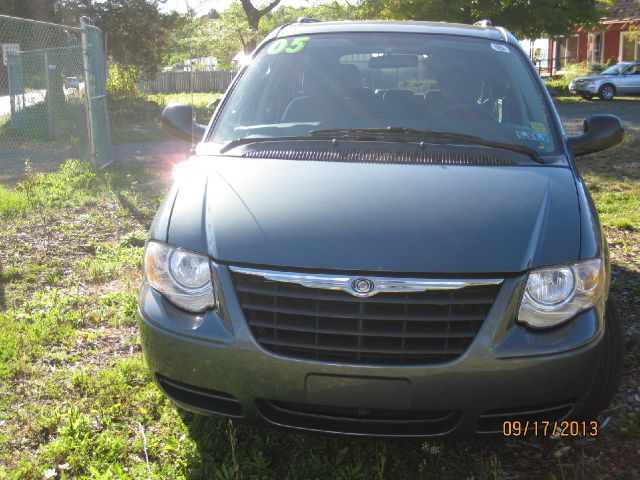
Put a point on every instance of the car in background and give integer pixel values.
(621, 79)
(383, 232)
(71, 83)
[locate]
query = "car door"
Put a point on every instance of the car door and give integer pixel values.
(629, 81)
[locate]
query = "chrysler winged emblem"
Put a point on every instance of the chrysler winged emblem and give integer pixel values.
(362, 286)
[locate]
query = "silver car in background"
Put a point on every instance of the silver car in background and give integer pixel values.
(620, 79)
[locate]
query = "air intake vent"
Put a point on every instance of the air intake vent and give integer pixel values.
(379, 155)
(355, 421)
(217, 403)
(492, 421)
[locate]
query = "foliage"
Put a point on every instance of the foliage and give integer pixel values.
(137, 29)
(46, 10)
(525, 19)
(121, 81)
(253, 16)
(559, 85)
(229, 33)
(221, 37)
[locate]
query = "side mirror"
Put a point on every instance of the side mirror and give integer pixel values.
(600, 132)
(177, 120)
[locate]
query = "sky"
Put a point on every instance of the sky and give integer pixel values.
(204, 6)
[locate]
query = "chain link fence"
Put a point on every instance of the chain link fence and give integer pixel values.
(52, 96)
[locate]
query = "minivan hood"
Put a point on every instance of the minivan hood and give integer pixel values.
(377, 217)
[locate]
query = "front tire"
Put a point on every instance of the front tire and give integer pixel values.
(607, 92)
(609, 370)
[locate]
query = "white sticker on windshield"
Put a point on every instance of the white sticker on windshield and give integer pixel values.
(498, 47)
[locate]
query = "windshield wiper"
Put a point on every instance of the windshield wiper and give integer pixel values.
(245, 140)
(428, 136)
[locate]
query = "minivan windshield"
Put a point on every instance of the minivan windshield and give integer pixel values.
(304, 85)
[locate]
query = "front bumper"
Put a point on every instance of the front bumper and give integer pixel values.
(591, 88)
(210, 363)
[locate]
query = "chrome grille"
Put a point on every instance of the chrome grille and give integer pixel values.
(417, 328)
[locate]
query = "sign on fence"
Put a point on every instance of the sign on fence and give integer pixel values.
(8, 49)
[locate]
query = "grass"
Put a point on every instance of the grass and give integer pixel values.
(138, 119)
(62, 124)
(12, 202)
(77, 401)
(613, 178)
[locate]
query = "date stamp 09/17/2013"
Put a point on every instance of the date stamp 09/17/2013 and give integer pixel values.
(550, 428)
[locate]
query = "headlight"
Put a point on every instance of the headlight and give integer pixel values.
(183, 277)
(555, 294)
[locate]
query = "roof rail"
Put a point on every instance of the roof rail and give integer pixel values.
(483, 23)
(307, 20)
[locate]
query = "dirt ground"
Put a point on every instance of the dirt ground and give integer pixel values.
(48, 159)
(574, 113)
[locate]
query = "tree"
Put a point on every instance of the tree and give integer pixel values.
(44, 10)
(526, 19)
(225, 36)
(254, 15)
(137, 30)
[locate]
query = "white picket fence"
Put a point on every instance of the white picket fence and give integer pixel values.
(178, 82)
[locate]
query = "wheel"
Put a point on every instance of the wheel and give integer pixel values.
(609, 370)
(587, 96)
(607, 92)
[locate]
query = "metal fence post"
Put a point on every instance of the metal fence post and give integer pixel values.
(87, 89)
(48, 93)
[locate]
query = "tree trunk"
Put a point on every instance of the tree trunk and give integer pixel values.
(253, 18)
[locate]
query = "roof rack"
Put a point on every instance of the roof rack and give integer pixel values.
(483, 23)
(307, 20)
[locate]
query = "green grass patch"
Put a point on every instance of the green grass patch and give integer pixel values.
(62, 122)
(618, 202)
(137, 119)
(613, 179)
(39, 329)
(78, 402)
(12, 202)
(109, 261)
(74, 183)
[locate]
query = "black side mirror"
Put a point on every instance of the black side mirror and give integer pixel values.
(600, 132)
(177, 120)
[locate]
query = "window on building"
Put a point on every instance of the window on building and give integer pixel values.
(630, 46)
(567, 50)
(594, 47)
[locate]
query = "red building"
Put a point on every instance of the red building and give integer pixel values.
(617, 36)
